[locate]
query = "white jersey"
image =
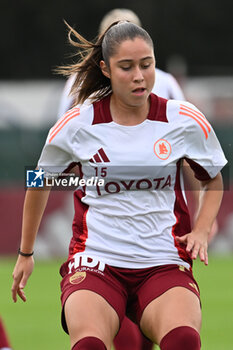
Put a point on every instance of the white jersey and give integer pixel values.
(131, 221)
(165, 86)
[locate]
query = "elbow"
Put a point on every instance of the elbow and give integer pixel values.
(214, 184)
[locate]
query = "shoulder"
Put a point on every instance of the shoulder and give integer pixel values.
(179, 107)
(71, 122)
(188, 116)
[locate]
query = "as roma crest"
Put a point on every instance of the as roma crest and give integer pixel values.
(162, 149)
(78, 277)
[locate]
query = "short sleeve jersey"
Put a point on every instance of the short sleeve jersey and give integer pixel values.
(131, 221)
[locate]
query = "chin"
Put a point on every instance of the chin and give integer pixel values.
(140, 100)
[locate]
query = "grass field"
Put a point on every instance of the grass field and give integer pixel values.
(35, 325)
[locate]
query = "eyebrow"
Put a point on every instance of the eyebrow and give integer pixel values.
(128, 60)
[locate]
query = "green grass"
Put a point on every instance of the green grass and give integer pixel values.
(216, 284)
(35, 325)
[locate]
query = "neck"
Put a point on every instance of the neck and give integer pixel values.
(128, 115)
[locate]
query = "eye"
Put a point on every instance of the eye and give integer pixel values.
(145, 65)
(126, 68)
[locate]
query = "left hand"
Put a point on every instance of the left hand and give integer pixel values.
(196, 244)
(22, 271)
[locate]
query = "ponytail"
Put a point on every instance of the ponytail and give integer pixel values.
(89, 79)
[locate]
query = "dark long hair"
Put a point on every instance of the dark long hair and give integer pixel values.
(90, 81)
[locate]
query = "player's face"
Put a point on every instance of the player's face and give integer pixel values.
(132, 71)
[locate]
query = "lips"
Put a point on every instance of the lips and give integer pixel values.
(139, 90)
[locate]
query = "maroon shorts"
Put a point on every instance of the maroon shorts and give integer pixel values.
(128, 291)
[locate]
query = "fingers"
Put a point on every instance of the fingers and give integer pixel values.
(195, 247)
(17, 290)
(203, 255)
(21, 287)
(17, 287)
(182, 239)
(23, 281)
(21, 294)
(22, 271)
(190, 248)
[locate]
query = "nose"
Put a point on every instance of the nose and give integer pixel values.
(138, 76)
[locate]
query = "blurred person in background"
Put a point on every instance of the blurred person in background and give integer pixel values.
(126, 115)
(4, 341)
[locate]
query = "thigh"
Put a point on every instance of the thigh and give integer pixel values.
(89, 314)
(178, 306)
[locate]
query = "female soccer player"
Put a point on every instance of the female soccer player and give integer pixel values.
(129, 335)
(132, 246)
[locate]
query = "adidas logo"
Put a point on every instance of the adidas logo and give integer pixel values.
(100, 157)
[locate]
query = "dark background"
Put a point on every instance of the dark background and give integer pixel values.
(33, 35)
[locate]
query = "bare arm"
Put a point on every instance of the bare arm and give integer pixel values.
(209, 204)
(195, 187)
(34, 206)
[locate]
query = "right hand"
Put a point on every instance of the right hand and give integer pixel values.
(22, 271)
